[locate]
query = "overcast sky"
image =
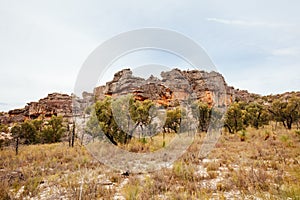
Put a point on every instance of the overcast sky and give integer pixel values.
(43, 44)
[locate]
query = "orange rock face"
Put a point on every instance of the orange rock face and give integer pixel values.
(53, 104)
(175, 85)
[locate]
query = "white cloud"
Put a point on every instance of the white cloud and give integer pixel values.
(291, 51)
(248, 23)
(266, 78)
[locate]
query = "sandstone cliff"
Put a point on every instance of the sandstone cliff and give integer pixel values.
(53, 104)
(175, 85)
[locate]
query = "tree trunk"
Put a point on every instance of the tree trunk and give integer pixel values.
(164, 143)
(142, 131)
(283, 122)
(111, 139)
(83, 131)
(228, 127)
(82, 137)
(73, 135)
(289, 122)
(69, 135)
(17, 146)
(289, 125)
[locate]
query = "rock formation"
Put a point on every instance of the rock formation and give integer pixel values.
(53, 104)
(174, 87)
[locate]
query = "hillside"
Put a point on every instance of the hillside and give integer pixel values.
(252, 141)
(175, 85)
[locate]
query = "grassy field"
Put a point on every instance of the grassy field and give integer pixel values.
(266, 165)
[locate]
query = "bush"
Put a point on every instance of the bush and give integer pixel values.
(183, 171)
(53, 130)
(38, 131)
(29, 133)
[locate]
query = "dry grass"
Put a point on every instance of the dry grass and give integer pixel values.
(52, 170)
(144, 145)
(235, 169)
(255, 167)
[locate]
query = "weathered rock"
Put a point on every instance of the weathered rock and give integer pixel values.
(175, 85)
(5, 136)
(53, 104)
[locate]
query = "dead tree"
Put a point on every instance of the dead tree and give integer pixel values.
(17, 146)
(73, 135)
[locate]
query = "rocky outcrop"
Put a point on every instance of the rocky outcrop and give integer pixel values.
(175, 85)
(53, 104)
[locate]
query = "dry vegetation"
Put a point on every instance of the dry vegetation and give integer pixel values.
(148, 144)
(53, 171)
(263, 166)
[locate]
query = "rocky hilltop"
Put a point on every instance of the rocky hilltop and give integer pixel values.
(175, 86)
(53, 104)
